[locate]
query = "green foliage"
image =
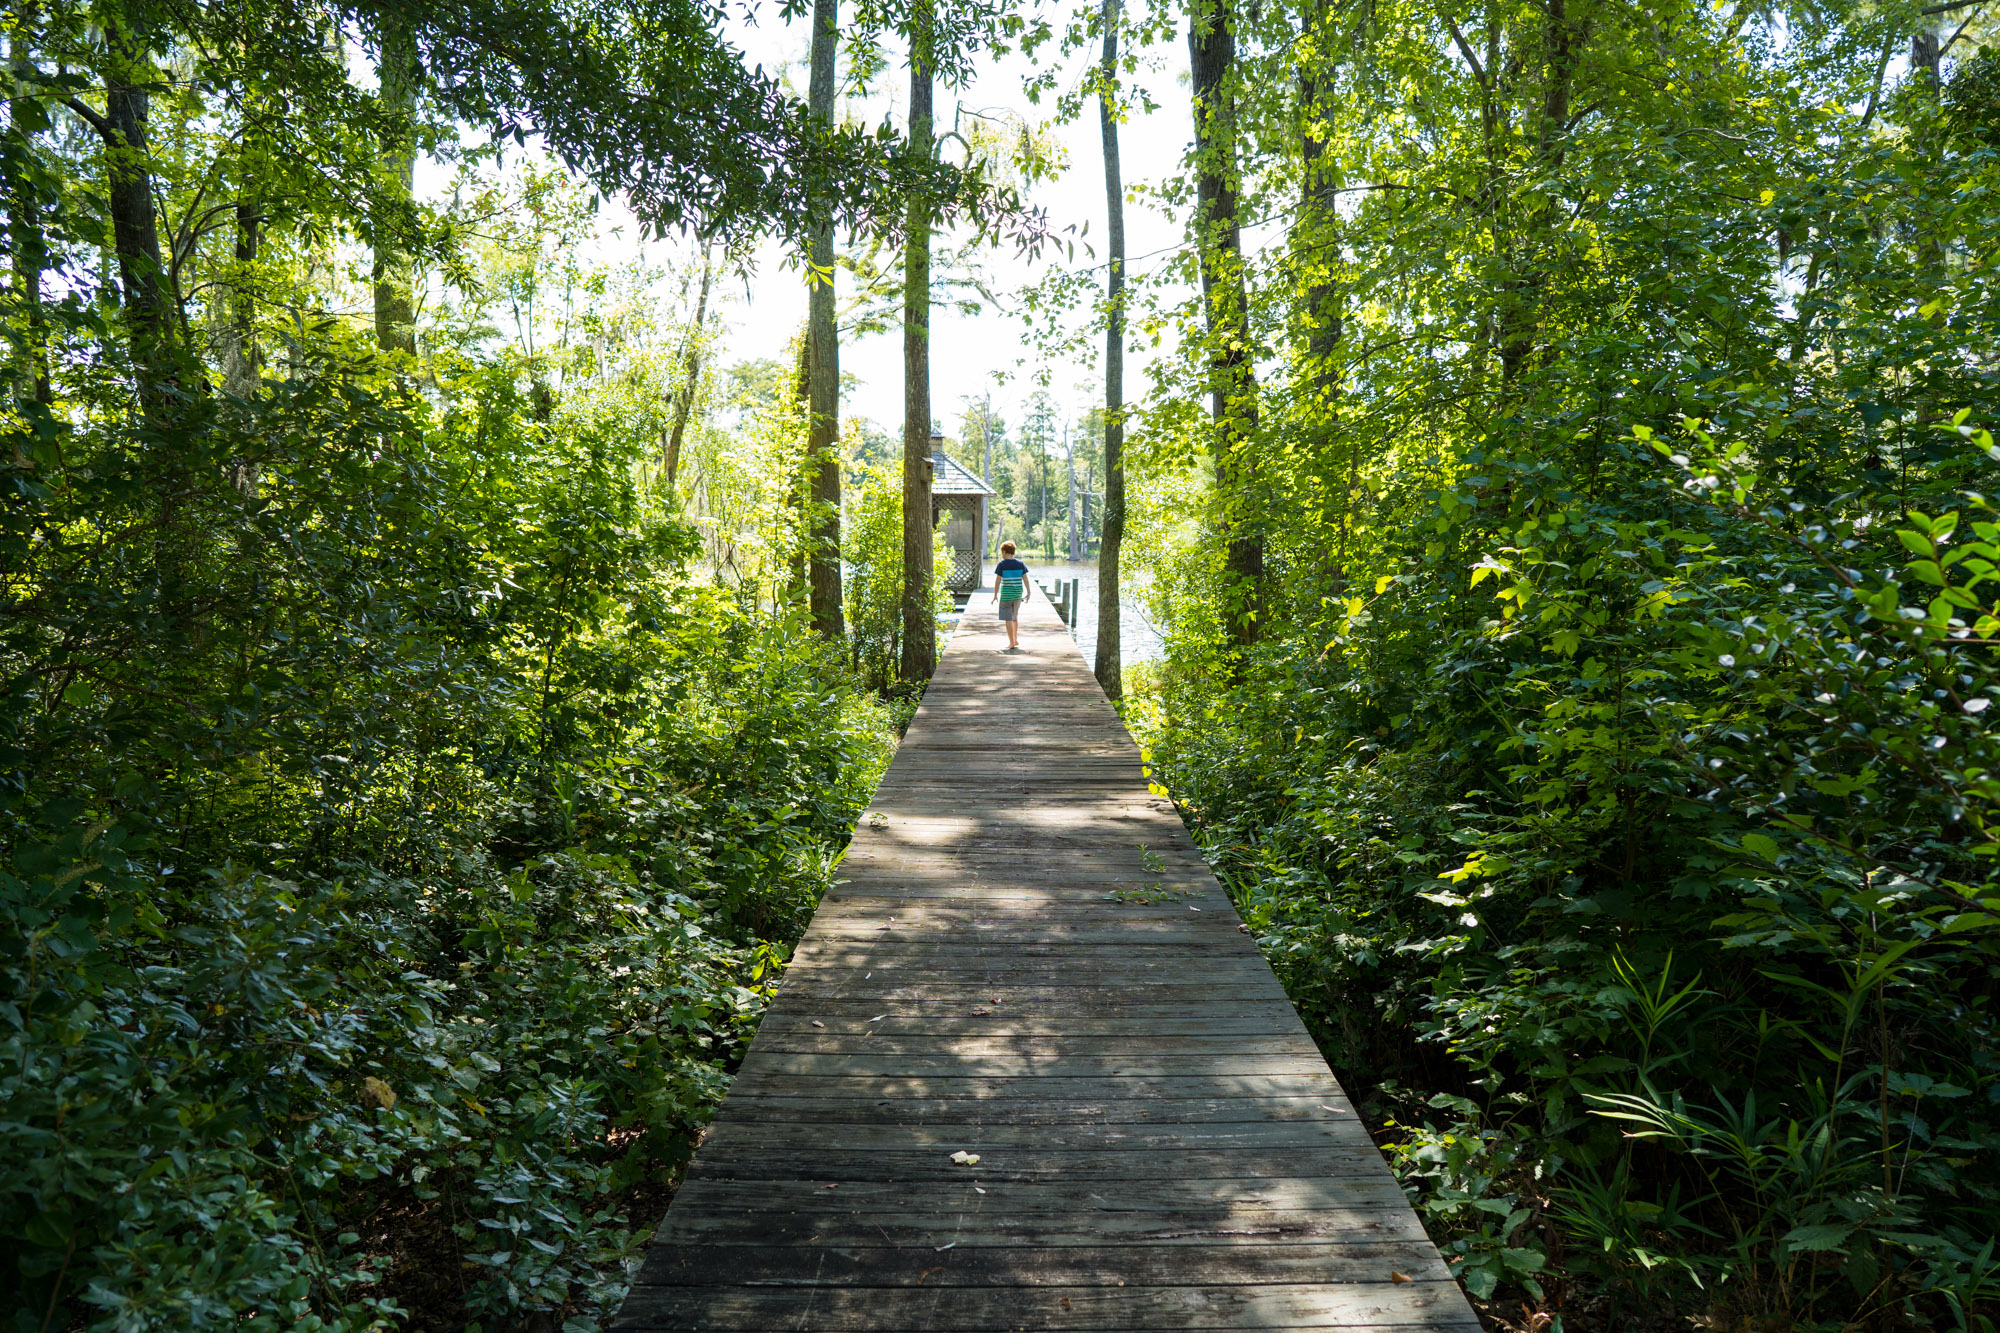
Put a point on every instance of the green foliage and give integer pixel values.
(1619, 814)
(872, 549)
(459, 895)
(403, 828)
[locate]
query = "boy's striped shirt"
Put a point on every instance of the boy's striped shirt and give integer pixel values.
(1013, 576)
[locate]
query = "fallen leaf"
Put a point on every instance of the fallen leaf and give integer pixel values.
(1065, 1302)
(977, 1190)
(829, 1187)
(1335, 1109)
(964, 1158)
(379, 1093)
(878, 1018)
(1401, 1277)
(818, 1024)
(942, 1248)
(1194, 909)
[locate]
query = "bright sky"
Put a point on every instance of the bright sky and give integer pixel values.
(971, 356)
(987, 353)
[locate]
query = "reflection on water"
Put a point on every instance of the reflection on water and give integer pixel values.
(1139, 638)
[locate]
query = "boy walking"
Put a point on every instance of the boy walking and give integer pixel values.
(1010, 589)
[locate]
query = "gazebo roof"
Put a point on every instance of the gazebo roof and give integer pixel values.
(949, 477)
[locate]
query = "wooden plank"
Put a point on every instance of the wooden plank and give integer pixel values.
(1145, 1137)
(1027, 958)
(965, 1265)
(1142, 1087)
(1372, 1207)
(1008, 1165)
(790, 1106)
(832, 1307)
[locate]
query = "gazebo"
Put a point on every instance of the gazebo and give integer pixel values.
(959, 497)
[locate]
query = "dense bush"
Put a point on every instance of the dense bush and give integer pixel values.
(389, 891)
(1611, 776)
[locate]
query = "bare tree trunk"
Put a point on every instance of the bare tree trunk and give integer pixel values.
(135, 229)
(919, 618)
(1927, 59)
(1074, 550)
(395, 290)
(823, 348)
(1110, 666)
(1232, 374)
(690, 368)
(985, 471)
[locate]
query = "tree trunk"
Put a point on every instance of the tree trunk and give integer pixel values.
(1074, 552)
(1927, 59)
(239, 353)
(1319, 185)
(985, 472)
(823, 344)
(799, 494)
(135, 230)
(1319, 254)
(919, 618)
(24, 227)
(395, 283)
(1232, 374)
(690, 369)
(1110, 665)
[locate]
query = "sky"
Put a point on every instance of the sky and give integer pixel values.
(972, 356)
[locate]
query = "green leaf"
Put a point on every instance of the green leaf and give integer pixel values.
(1761, 846)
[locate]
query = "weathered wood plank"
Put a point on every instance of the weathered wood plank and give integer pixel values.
(1027, 958)
(832, 1307)
(965, 1265)
(787, 1106)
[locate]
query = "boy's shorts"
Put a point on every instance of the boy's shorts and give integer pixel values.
(1010, 611)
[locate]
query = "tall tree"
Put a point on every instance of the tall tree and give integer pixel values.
(1109, 667)
(1316, 248)
(823, 352)
(1219, 249)
(395, 291)
(919, 619)
(129, 76)
(25, 235)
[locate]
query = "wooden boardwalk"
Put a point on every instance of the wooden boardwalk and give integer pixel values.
(1030, 962)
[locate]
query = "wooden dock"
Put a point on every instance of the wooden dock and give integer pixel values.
(1029, 964)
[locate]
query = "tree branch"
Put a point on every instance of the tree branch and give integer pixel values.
(95, 121)
(1465, 50)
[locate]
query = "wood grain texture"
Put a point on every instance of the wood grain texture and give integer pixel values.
(1029, 961)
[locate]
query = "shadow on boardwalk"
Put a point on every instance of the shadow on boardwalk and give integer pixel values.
(1030, 963)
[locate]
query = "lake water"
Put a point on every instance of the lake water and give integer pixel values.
(1139, 638)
